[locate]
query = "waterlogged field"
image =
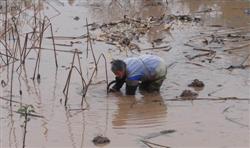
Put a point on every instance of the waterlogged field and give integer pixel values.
(55, 66)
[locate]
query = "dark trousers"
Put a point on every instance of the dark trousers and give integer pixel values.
(152, 85)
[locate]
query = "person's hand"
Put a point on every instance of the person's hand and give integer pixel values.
(112, 90)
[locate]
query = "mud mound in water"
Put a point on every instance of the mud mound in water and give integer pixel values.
(196, 83)
(100, 140)
(188, 94)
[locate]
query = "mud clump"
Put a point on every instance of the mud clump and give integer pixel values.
(3, 83)
(196, 83)
(76, 18)
(167, 131)
(100, 140)
(188, 94)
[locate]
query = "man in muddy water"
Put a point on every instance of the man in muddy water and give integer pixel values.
(146, 71)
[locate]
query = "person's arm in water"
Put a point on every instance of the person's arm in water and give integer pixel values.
(118, 84)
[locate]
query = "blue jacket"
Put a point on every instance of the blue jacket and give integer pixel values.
(142, 68)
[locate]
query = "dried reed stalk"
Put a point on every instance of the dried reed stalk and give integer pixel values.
(66, 87)
(39, 52)
(53, 40)
(158, 145)
(90, 44)
(95, 70)
(11, 80)
(5, 28)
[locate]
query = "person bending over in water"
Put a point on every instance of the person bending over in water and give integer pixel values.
(146, 71)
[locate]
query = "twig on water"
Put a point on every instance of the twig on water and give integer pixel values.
(13, 101)
(211, 52)
(90, 43)
(30, 114)
(68, 37)
(58, 50)
(236, 122)
(202, 49)
(77, 109)
(209, 99)
(238, 47)
(147, 143)
(241, 65)
(226, 109)
(196, 64)
(7, 51)
(9, 56)
(245, 59)
(58, 12)
(162, 47)
(237, 67)
(65, 45)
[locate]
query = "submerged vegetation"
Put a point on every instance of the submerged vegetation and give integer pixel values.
(24, 112)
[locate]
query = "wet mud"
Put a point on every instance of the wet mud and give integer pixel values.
(100, 140)
(55, 72)
(188, 94)
(196, 83)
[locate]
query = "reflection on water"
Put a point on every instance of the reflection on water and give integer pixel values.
(106, 11)
(12, 133)
(14, 7)
(148, 111)
(70, 131)
(221, 11)
(71, 2)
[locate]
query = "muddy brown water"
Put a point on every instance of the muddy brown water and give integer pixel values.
(128, 120)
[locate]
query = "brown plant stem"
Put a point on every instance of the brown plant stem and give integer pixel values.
(53, 40)
(5, 27)
(209, 99)
(106, 70)
(25, 128)
(66, 87)
(11, 80)
(154, 144)
(95, 70)
(39, 52)
(90, 43)
(54, 46)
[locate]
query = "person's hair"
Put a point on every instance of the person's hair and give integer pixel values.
(118, 65)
